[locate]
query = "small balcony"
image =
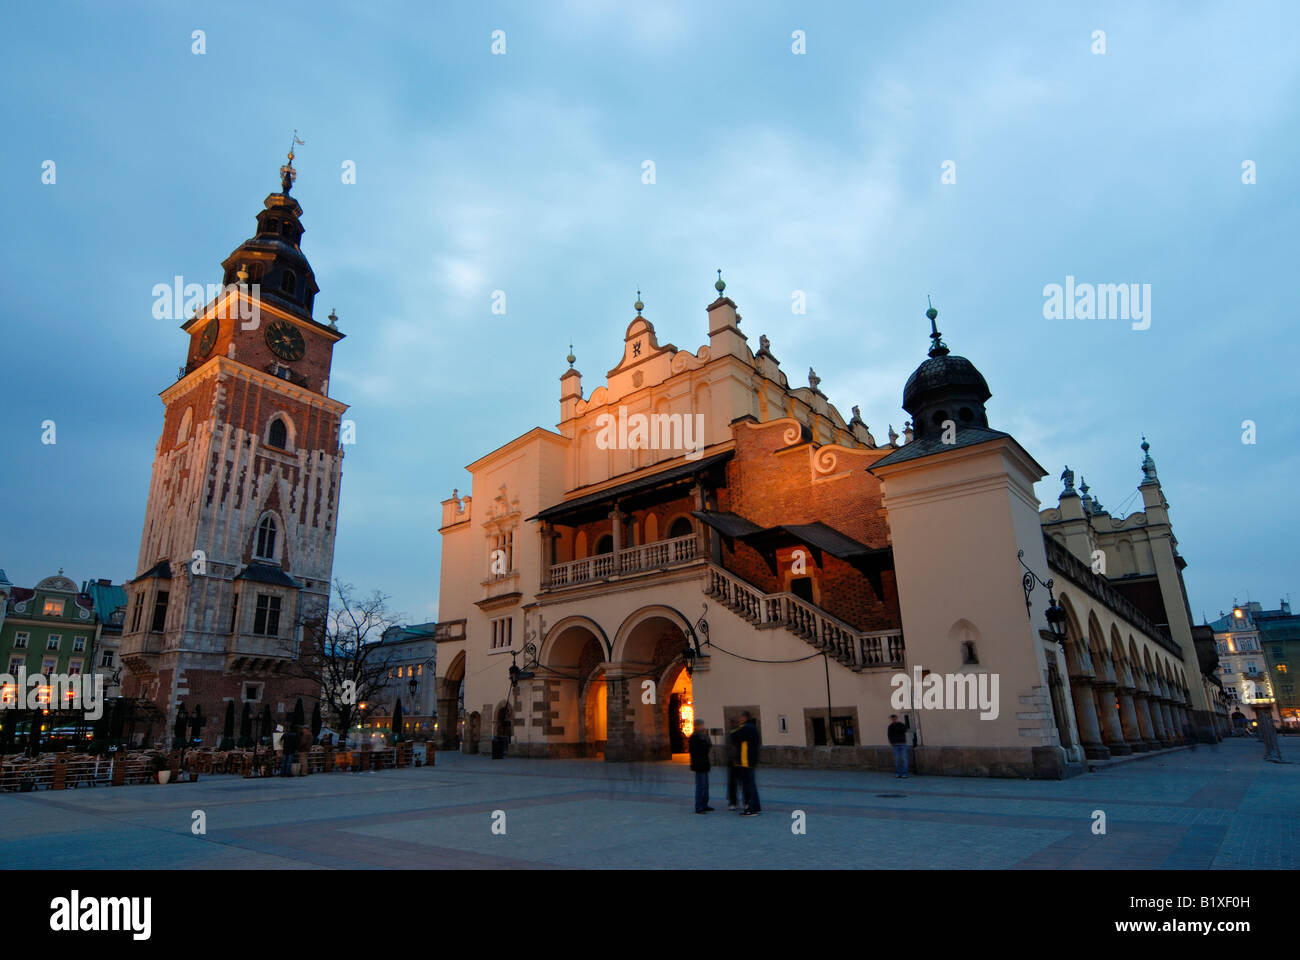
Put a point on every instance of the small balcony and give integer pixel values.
(141, 643)
(659, 555)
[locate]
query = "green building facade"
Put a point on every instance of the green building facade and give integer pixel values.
(51, 628)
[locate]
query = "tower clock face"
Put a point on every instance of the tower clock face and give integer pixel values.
(285, 340)
(209, 336)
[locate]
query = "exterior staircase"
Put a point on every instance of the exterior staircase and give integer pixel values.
(855, 649)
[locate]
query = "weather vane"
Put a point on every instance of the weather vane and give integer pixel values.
(287, 173)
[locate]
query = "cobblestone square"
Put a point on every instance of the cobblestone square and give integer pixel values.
(1215, 807)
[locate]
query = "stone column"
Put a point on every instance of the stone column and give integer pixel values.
(620, 730)
(1111, 731)
(616, 524)
(1167, 720)
(1142, 702)
(1157, 722)
(1085, 715)
(1129, 721)
(547, 534)
(702, 532)
(447, 714)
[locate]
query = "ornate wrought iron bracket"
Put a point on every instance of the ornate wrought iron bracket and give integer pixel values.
(1028, 581)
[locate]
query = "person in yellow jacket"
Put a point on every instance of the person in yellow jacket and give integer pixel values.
(746, 744)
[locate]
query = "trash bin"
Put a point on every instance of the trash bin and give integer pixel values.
(498, 748)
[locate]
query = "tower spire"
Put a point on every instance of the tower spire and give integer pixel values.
(938, 348)
(287, 173)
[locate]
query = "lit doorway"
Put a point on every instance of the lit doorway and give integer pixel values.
(681, 714)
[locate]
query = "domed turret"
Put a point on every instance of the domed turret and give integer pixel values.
(944, 387)
(272, 258)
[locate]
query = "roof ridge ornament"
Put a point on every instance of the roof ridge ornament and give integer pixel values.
(720, 285)
(639, 305)
(1148, 465)
(938, 348)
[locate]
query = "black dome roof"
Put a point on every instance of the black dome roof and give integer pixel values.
(944, 374)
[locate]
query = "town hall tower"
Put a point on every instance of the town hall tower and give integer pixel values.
(232, 582)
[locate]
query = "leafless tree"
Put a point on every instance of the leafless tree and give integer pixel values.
(348, 661)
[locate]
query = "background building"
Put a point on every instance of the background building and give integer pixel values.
(410, 658)
(109, 602)
(1279, 634)
(1243, 668)
(49, 628)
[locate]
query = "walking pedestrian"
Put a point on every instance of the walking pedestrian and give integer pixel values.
(747, 744)
(289, 743)
(699, 745)
(897, 734)
(1268, 733)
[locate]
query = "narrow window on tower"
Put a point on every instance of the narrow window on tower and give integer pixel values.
(278, 435)
(234, 612)
(267, 621)
(159, 612)
(137, 612)
(288, 282)
(266, 531)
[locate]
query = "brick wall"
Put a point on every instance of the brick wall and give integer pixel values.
(770, 484)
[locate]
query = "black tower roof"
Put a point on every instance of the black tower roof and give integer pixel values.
(272, 258)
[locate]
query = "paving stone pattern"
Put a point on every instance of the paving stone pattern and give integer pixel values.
(1219, 807)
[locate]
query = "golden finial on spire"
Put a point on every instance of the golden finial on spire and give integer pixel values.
(287, 173)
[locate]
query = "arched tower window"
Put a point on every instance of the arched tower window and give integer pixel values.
(288, 282)
(183, 431)
(966, 636)
(278, 435)
(266, 533)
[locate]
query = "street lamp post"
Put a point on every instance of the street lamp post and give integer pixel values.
(1056, 618)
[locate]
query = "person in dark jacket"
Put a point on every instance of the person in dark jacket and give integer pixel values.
(733, 772)
(699, 745)
(288, 743)
(897, 733)
(746, 741)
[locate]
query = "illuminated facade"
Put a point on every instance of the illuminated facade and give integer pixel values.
(698, 537)
(1256, 684)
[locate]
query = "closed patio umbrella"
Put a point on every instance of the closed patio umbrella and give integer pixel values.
(178, 729)
(196, 724)
(228, 729)
(246, 726)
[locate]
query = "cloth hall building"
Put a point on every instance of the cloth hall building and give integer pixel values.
(698, 537)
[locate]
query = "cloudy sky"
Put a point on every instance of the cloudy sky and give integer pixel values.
(820, 172)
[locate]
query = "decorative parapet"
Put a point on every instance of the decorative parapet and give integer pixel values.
(1099, 588)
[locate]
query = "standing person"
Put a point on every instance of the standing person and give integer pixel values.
(289, 743)
(1268, 733)
(733, 768)
(897, 733)
(699, 745)
(747, 744)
